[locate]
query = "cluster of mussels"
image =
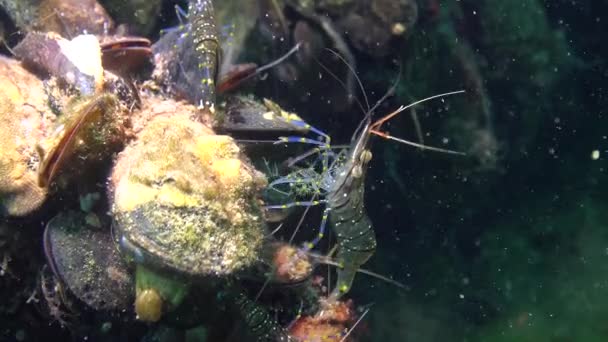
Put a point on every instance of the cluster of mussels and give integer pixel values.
(150, 215)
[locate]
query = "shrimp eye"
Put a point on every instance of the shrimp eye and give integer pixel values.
(366, 156)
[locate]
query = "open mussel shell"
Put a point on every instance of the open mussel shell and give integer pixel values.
(90, 133)
(124, 55)
(86, 261)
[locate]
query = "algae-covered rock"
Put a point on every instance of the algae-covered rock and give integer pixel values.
(48, 131)
(24, 117)
(184, 197)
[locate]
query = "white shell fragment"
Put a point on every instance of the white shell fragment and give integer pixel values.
(84, 52)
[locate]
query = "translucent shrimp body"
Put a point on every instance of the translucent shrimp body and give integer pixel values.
(349, 220)
(190, 55)
(339, 180)
(207, 47)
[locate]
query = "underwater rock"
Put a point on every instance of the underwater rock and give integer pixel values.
(19, 265)
(72, 17)
(369, 25)
(90, 123)
(50, 130)
(186, 204)
(25, 118)
(65, 17)
(23, 13)
(77, 62)
(373, 26)
(140, 15)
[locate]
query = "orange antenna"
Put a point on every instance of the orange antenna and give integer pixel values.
(375, 127)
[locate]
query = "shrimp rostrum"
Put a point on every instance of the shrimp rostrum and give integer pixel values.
(337, 180)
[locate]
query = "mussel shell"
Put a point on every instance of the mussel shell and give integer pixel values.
(244, 115)
(90, 134)
(186, 199)
(125, 54)
(87, 261)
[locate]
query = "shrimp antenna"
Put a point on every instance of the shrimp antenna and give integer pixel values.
(386, 95)
(293, 235)
(328, 261)
(342, 83)
(354, 73)
(271, 234)
(378, 123)
(390, 91)
(375, 127)
(356, 323)
(368, 113)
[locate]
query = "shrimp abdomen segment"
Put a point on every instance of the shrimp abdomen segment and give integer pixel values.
(356, 244)
(207, 48)
(354, 234)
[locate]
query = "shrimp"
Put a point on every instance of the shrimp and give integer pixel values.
(207, 50)
(192, 53)
(351, 225)
(339, 182)
(261, 325)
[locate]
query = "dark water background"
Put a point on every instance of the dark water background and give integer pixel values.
(513, 248)
(516, 253)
